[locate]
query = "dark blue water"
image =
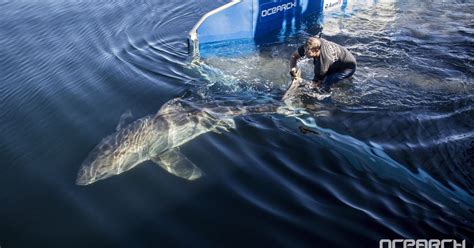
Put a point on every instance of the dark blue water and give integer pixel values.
(391, 155)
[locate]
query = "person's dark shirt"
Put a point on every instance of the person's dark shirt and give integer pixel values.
(333, 58)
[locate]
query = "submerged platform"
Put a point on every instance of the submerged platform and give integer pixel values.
(245, 23)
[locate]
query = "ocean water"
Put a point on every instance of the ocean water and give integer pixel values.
(390, 155)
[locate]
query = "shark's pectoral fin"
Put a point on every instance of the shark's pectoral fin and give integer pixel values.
(124, 119)
(177, 164)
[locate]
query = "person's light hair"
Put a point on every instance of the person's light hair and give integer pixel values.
(313, 43)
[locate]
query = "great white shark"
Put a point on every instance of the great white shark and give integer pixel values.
(158, 137)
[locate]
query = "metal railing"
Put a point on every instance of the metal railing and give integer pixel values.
(193, 40)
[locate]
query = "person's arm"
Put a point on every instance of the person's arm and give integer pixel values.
(319, 70)
(324, 65)
(294, 59)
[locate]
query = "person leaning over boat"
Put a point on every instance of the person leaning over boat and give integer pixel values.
(332, 62)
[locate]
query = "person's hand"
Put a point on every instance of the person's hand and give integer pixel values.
(294, 73)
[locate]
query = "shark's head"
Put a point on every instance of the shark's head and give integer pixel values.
(109, 158)
(88, 173)
(117, 153)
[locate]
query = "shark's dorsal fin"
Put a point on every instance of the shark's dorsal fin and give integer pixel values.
(177, 164)
(124, 119)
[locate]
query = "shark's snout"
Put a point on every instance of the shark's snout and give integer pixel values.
(82, 176)
(91, 174)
